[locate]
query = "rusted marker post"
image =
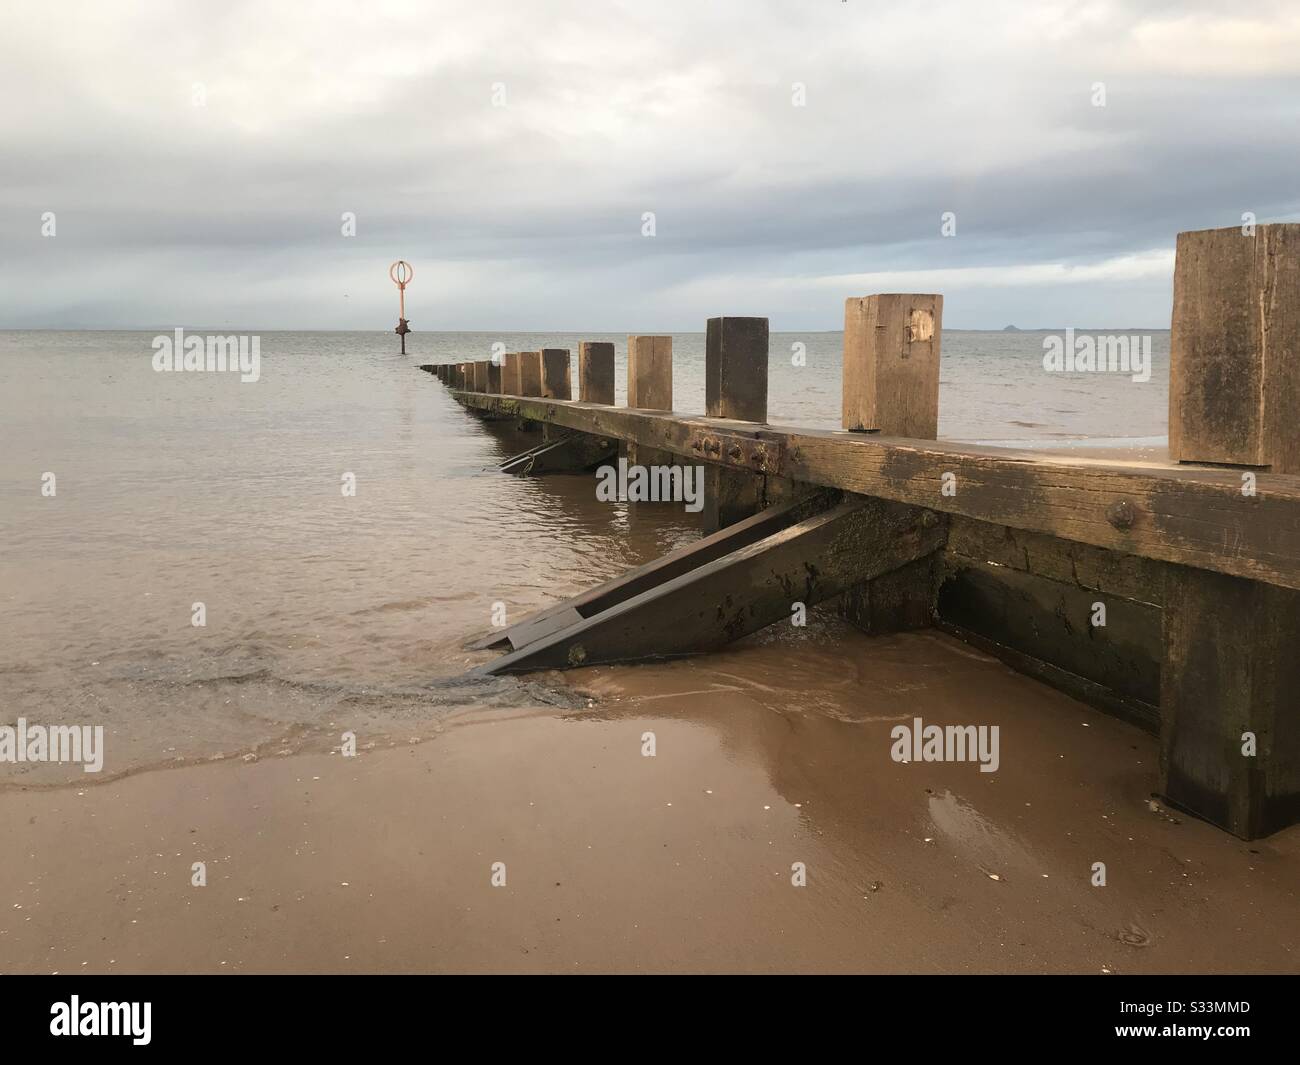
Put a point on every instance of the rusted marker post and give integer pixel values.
(401, 274)
(891, 364)
(1229, 730)
(735, 386)
(596, 372)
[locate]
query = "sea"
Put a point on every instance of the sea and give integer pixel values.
(183, 561)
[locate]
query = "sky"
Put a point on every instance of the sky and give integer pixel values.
(629, 165)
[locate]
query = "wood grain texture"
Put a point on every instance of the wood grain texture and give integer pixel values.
(891, 364)
(1234, 373)
(650, 372)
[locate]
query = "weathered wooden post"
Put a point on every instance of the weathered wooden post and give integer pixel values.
(1234, 348)
(1229, 726)
(494, 369)
(480, 376)
(530, 373)
(891, 386)
(555, 373)
(510, 379)
(649, 387)
(891, 364)
(650, 372)
(735, 369)
(735, 386)
(596, 372)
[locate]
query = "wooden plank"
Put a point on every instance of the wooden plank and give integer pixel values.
(674, 564)
(1193, 516)
(494, 376)
(741, 592)
(1234, 350)
(596, 372)
(1231, 668)
(1051, 620)
(1108, 573)
(891, 364)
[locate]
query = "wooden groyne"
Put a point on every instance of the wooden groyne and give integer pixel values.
(1165, 592)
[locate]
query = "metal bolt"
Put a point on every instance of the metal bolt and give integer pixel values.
(1121, 514)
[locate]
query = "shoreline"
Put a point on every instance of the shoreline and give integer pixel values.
(616, 862)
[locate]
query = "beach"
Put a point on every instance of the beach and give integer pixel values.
(732, 812)
(619, 862)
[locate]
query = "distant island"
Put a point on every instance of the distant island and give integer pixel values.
(1010, 329)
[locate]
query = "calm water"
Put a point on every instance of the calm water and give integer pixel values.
(326, 612)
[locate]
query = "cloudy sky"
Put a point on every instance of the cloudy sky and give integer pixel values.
(199, 157)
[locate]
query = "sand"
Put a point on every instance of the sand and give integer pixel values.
(766, 756)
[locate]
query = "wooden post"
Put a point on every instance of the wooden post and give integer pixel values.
(555, 374)
(530, 373)
(650, 372)
(480, 376)
(1234, 349)
(1230, 671)
(649, 387)
(1229, 731)
(510, 379)
(735, 369)
(596, 372)
(891, 364)
(735, 386)
(494, 377)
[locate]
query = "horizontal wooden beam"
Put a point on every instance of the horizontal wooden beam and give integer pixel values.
(1194, 516)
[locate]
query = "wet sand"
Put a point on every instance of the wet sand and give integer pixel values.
(766, 755)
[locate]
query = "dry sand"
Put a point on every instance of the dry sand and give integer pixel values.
(767, 755)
